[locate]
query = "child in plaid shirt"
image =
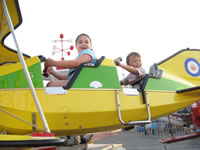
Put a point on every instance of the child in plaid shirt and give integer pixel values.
(134, 66)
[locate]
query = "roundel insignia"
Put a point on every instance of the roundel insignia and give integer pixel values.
(192, 67)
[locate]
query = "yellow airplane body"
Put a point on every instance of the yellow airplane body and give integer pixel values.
(94, 100)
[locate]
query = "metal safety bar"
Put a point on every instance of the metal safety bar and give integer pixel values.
(133, 122)
(39, 108)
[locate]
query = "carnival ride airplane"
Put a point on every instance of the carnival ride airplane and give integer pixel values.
(93, 101)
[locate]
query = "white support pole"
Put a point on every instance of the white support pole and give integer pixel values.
(25, 67)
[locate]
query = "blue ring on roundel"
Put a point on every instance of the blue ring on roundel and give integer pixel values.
(188, 69)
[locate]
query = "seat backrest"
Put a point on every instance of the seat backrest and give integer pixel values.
(143, 85)
(138, 82)
(78, 70)
(103, 72)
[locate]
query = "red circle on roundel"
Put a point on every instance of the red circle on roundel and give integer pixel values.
(68, 53)
(61, 36)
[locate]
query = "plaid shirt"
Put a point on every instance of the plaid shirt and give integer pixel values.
(132, 78)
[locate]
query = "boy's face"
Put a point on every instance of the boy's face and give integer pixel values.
(135, 61)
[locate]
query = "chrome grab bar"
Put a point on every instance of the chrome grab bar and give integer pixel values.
(133, 122)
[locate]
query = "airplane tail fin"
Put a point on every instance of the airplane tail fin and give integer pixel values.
(179, 71)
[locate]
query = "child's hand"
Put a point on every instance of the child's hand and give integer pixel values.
(47, 71)
(50, 70)
(117, 63)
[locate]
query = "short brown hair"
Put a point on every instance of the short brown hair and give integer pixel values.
(131, 54)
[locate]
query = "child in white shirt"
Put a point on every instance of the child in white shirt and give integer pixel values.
(134, 66)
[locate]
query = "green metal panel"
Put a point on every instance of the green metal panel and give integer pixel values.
(18, 80)
(164, 84)
(106, 75)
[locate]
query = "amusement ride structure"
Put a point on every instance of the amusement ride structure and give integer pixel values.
(92, 101)
(62, 49)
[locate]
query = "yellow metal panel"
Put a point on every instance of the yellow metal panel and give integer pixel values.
(83, 111)
(108, 62)
(8, 54)
(9, 68)
(14, 137)
(171, 65)
(177, 78)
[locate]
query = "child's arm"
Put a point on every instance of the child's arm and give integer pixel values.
(129, 69)
(59, 76)
(126, 67)
(68, 63)
(49, 70)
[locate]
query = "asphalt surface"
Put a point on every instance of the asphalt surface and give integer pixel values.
(139, 140)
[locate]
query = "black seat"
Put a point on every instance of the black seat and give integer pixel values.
(142, 84)
(138, 82)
